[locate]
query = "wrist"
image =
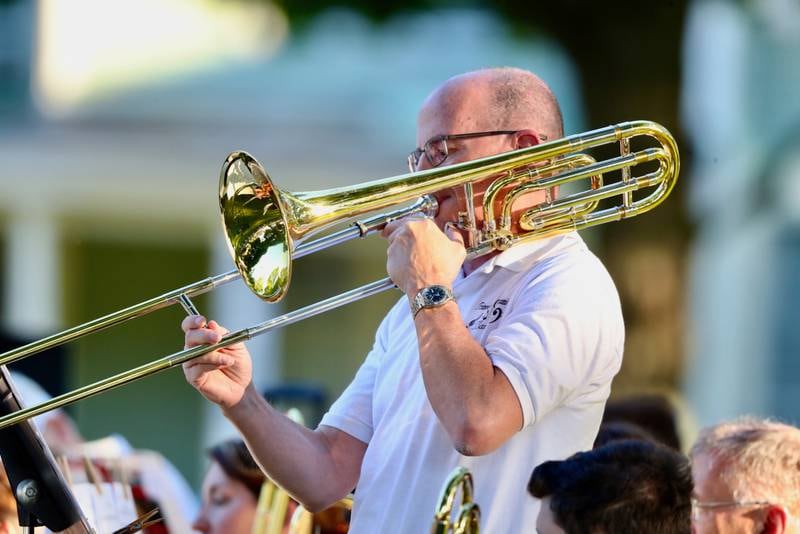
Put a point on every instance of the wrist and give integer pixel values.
(412, 288)
(432, 296)
(244, 406)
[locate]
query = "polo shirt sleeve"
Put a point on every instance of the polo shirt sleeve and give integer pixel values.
(560, 334)
(352, 411)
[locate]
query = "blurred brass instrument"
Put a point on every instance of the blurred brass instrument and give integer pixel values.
(266, 227)
(273, 505)
(264, 508)
(332, 520)
(273, 509)
(465, 520)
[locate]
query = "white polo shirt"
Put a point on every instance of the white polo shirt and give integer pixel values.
(548, 315)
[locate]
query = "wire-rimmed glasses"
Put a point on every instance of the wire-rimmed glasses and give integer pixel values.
(435, 148)
(700, 506)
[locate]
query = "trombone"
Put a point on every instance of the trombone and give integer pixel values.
(266, 227)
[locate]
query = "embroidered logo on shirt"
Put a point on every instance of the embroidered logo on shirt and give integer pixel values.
(487, 314)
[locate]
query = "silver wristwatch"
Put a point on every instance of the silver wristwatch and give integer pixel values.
(431, 297)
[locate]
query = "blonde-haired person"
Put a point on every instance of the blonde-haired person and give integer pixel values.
(747, 478)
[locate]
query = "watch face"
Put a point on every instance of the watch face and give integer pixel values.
(435, 294)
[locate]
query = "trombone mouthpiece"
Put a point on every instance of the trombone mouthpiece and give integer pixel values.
(429, 206)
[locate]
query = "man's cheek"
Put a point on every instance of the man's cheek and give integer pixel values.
(448, 211)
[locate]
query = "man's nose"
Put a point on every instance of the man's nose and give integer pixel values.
(423, 164)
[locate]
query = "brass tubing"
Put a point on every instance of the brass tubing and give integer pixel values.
(556, 207)
(469, 519)
(355, 230)
(185, 355)
(312, 212)
(468, 515)
(120, 316)
(613, 189)
(603, 192)
(531, 177)
(262, 221)
(625, 149)
(606, 166)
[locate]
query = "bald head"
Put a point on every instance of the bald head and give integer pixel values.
(498, 99)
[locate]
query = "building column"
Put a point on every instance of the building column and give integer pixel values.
(32, 270)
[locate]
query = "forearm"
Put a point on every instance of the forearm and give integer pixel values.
(300, 460)
(473, 399)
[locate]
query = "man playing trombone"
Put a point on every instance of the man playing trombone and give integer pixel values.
(495, 363)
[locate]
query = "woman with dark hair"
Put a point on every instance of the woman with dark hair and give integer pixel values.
(230, 490)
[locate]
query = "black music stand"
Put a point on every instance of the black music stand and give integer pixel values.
(43, 496)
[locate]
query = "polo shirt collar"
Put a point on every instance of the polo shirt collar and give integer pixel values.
(521, 256)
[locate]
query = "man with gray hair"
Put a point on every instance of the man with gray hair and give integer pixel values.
(746, 478)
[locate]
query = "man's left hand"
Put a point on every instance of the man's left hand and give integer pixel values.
(420, 254)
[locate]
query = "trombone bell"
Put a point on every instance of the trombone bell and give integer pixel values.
(255, 226)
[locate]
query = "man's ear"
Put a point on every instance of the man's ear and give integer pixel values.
(526, 138)
(775, 522)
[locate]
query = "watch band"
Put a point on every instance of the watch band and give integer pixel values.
(431, 297)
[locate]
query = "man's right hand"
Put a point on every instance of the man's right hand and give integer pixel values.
(223, 375)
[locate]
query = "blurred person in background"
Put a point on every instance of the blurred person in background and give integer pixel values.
(503, 361)
(230, 491)
(747, 478)
(625, 487)
(621, 431)
(653, 413)
(156, 482)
